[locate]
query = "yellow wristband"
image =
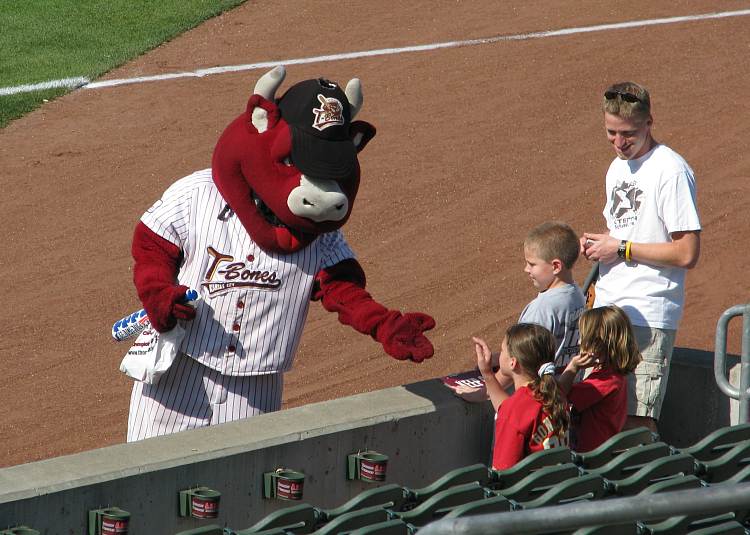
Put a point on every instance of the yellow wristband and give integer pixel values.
(627, 251)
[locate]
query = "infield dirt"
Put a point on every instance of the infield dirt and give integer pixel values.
(475, 145)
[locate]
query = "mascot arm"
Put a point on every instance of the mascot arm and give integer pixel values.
(157, 262)
(341, 288)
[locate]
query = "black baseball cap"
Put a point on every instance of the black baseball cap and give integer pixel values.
(319, 115)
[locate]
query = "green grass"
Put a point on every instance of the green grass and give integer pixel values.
(43, 40)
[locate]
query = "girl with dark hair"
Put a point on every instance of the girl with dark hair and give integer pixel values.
(535, 416)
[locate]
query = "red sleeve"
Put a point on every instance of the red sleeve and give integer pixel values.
(155, 276)
(341, 288)
(510, 443)
(591, 391)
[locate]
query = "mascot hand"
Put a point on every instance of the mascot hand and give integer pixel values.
(167, 307)
(402, 335)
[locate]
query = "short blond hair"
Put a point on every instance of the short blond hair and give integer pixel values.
(640, 110)
(554, 239)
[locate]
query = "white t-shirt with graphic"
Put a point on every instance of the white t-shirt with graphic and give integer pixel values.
(558, 309)
(253, 303)
(648, 199)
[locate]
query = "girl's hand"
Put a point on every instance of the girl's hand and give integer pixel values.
(584, 360)
(484, 356)
(472, 394)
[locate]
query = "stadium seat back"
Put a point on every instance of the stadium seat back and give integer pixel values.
(356, 519)
(537, 483)
(211, 529)
(630, 461)
(725, 466)
(442, 502)
(718, 442)
(613, 447)
(390, 527)
(493, 504)
(301, 518)
(630, 528)
(390, 496)
(652, 472)
(505, 478)
(478, 473)
(585, 487)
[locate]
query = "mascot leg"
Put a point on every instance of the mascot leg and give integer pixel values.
(191, 395)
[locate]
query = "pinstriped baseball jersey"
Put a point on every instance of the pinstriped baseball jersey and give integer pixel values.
(253, 303)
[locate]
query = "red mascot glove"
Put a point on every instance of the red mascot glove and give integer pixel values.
(341, 288)
(157, 262)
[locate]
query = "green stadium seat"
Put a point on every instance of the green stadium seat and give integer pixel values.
(726, 465)
(390, 527)
(717, 443)
(659, 469)
(300, 518)
(630, 528)
(211, 529)
(613, 447)
(631, 460)
(672, 524)
(675, 483)
(725, 528)
(493, 504)
(743, 476)
(585, 487)
(537, 483)
(272, 531)
(501, 479)
(354, 520)
(468, 474)
(441, 503)
(390, 496)
(678, 525)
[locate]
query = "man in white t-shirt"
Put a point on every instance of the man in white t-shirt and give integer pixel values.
(653, 238)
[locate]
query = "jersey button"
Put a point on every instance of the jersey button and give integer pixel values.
(240, 304)
(231, 349)
(236, 327)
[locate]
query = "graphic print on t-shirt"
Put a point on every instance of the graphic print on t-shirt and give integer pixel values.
(626, 200)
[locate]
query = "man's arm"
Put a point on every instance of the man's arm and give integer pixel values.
(683, 251)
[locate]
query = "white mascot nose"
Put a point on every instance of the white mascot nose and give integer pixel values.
(318, 199)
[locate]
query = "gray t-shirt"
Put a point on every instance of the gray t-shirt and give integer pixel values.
(558, 309)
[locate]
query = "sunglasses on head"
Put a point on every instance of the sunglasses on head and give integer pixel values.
(624, 95)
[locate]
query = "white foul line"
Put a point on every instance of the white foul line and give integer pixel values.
(84, 83)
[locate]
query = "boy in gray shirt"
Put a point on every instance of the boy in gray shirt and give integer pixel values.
(550, 250)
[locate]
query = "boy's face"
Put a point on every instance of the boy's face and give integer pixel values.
(541, 272)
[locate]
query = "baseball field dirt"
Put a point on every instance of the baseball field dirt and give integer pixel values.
(476, 144)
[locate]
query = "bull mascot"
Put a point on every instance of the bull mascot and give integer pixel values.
(259, 235)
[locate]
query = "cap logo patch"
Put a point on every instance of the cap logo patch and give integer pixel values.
(330, 113)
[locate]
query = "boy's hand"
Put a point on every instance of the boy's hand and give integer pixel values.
(484, 356)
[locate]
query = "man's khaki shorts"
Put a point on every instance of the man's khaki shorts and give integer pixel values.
(647, 387)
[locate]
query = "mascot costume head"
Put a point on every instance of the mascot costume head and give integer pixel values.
(288, 167)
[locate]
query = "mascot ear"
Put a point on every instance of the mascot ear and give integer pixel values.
(263, 111)
(361, 133)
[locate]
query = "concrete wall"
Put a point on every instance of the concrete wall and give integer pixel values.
(694, 405)
(422, 427)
